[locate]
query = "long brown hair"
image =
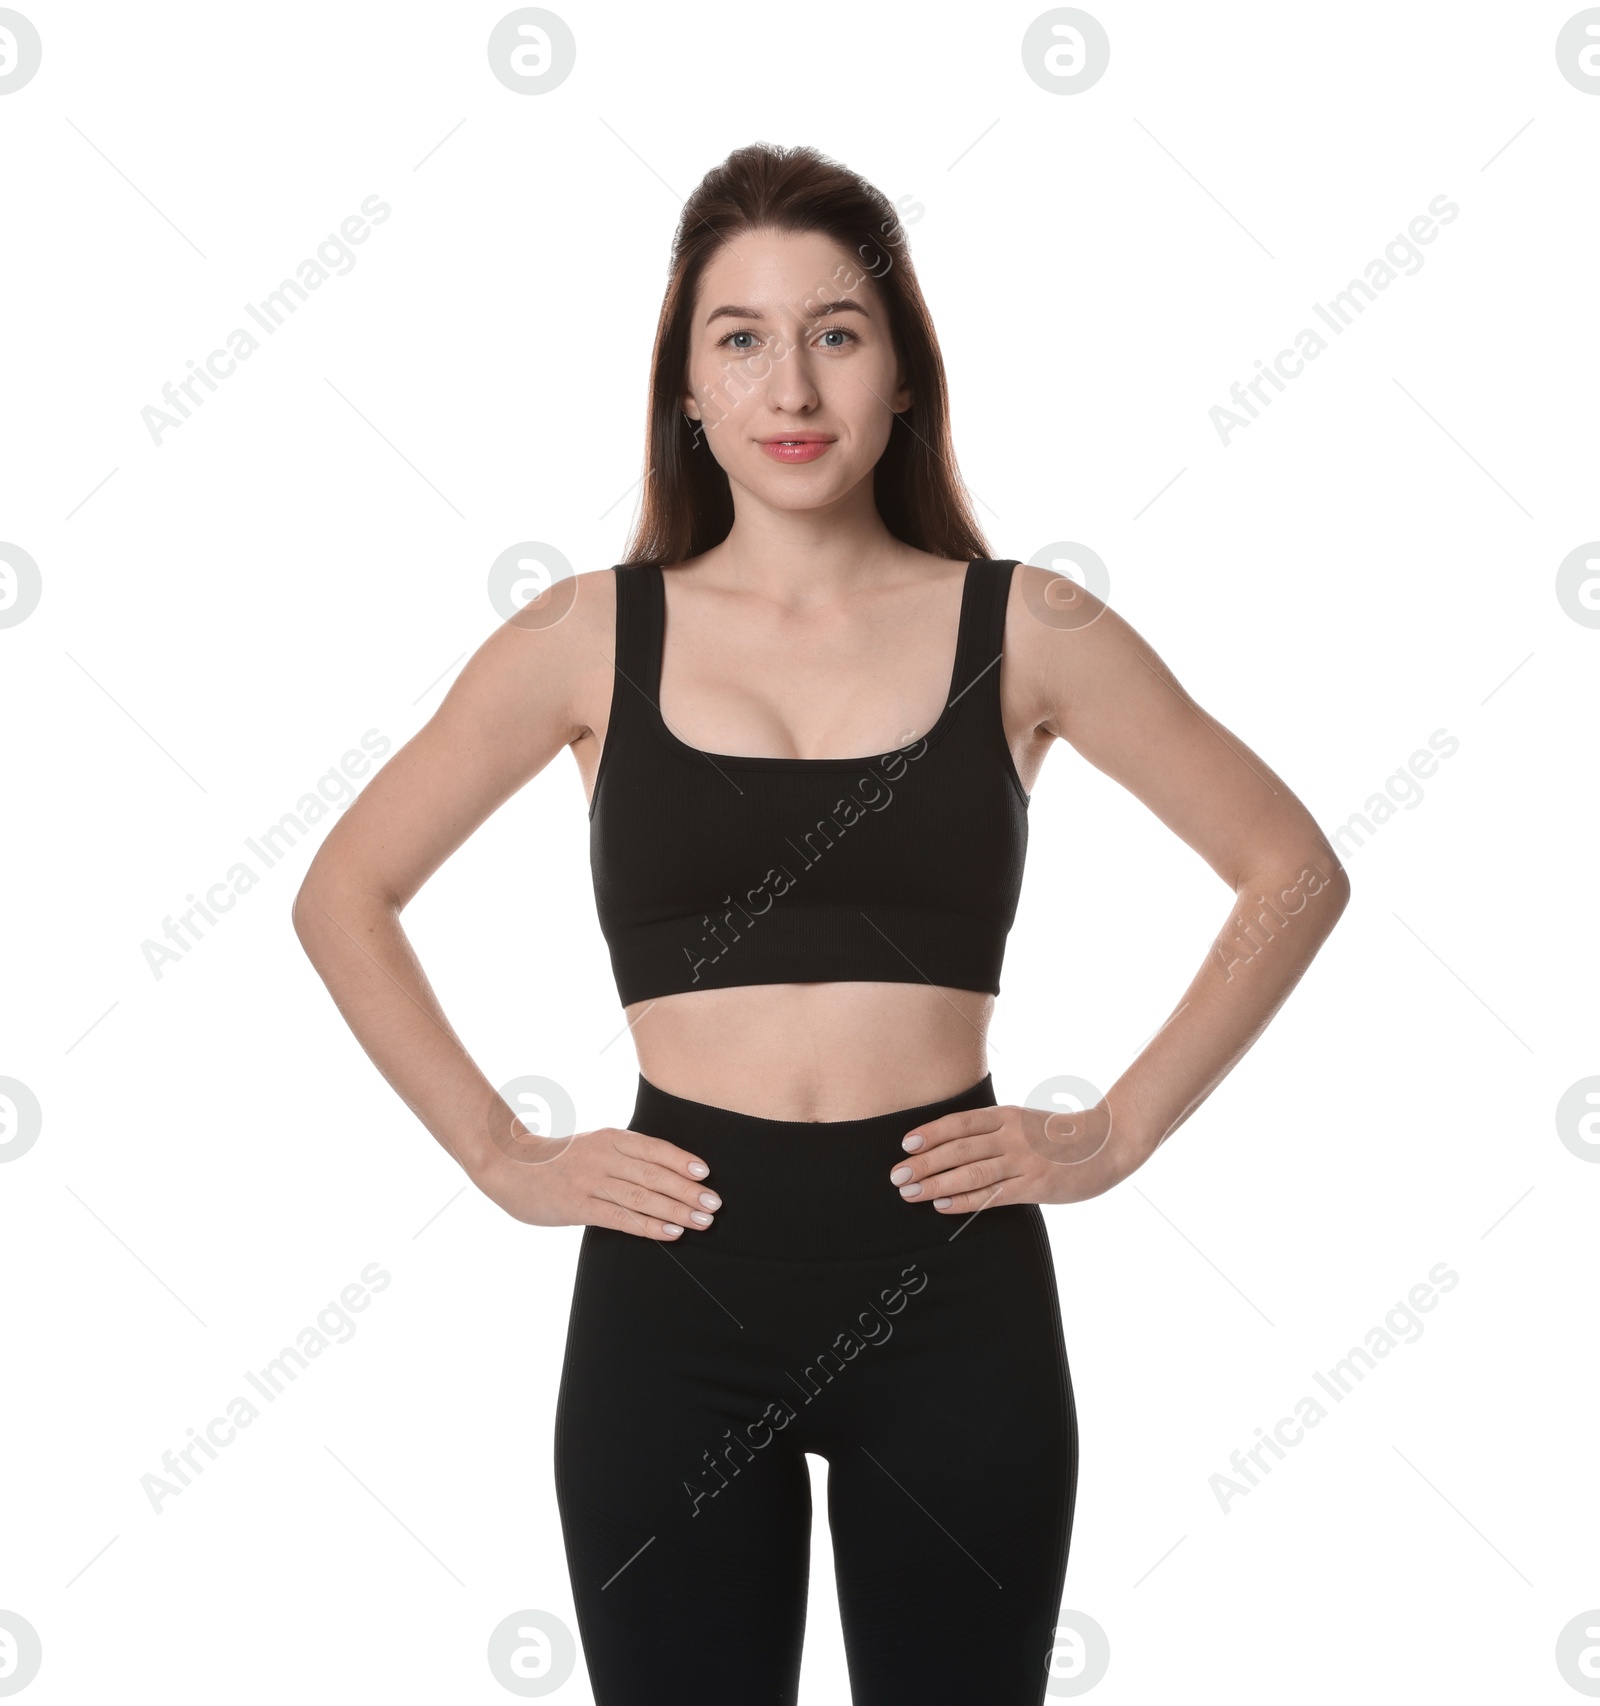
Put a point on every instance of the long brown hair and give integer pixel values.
(687, 504)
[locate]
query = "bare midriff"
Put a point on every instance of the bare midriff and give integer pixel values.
(814, 1051)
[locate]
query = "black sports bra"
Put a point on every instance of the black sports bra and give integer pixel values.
(713, 870)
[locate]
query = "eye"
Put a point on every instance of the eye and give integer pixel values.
(840, 332)
(743, 349)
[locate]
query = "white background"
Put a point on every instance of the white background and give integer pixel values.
(306, 558)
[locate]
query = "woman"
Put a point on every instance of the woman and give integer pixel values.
(806, 710)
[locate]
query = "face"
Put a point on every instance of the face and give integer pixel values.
(792, 371)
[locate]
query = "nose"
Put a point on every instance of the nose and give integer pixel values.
(790, 385)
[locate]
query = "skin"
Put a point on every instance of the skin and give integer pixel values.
(812, 632)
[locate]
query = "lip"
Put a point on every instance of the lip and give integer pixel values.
(795, 446)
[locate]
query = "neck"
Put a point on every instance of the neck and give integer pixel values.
(810, 556)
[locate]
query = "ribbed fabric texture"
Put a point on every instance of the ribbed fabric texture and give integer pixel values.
(807, 1190)
(712, 870)
(921, 1354)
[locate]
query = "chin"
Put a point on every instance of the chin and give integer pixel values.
(805, 486)
(793, 496)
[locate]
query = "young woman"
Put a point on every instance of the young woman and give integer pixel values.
(807, 710)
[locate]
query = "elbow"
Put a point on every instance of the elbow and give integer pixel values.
(1321, 882)
(336, 900)
(1335, 897)
(305, 908)
(1307, 879)
(1325, 863)
(314, 902)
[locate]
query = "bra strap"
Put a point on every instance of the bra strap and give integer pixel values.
(636, 678)
(983, 622)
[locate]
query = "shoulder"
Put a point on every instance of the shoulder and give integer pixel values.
(567, 621)
(1063, 642)
(554, 654)
(1043, 609)
(1088, 675)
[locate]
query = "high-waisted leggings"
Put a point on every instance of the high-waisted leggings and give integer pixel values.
(920, 1353)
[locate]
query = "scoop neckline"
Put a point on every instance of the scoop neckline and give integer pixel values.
(768, 761)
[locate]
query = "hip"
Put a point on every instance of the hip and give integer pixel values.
(812, 1235)
(815, 1191)
(819, 1294)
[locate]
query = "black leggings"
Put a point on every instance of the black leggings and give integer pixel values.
(920, 1353)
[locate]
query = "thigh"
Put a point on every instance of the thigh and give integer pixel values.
(686, 1524)
(952, 1475)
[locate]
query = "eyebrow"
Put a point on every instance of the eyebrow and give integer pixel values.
(845, 305)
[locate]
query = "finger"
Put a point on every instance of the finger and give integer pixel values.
(965, 1123)
(650, 1212)
(644, 1147)
(945, 1156)
(969, 1202)
(975, 1176)
(624, 1220)
(689, 1193)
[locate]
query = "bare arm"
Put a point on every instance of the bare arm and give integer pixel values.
(1119, 705)
(512, 708)
(1098, 685)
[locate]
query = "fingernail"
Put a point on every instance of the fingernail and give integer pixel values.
(943, 1202)
(671, 1230)
(899, 1175)
(909, 1190)
(711, 1199)
(699, 1169)
(912, 1142)
(699, 1217)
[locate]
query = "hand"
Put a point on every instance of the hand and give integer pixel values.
(982, 1157)
(611, 1176)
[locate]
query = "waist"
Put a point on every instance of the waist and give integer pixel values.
(814, 1051)
(806, 1189)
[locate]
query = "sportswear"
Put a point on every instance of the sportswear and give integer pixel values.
(713, 870)
(920, 1354)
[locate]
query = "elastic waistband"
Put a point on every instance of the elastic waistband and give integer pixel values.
(804, 1190)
